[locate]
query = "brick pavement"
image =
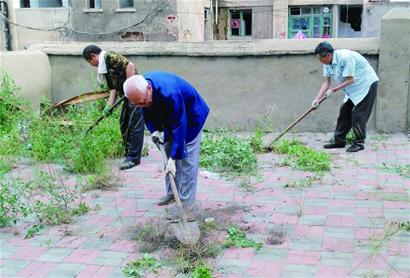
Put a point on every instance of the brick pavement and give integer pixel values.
(331, 227)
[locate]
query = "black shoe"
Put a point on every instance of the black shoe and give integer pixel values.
(334, 145)
(169, 199)
(128, 164)
(355, 148)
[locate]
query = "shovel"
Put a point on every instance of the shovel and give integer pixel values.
(186, 232)
(295, 122)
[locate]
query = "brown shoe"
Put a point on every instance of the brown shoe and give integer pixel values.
(169, 199)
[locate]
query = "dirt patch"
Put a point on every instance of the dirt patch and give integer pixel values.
(156, 236)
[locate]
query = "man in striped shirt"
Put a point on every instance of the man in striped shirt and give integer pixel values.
(358, 80)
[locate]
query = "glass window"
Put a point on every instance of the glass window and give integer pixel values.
(294, 11)
(126, 3)
(306, 10)
(94, 4)
(241, 23)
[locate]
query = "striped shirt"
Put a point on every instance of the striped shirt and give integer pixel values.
(350, 63)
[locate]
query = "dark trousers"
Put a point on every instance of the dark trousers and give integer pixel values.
(355, 117)
(132, 130)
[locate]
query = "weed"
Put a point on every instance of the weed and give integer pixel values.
(13, 197)
(256, 141)
(224, 152)
(140, 267)
(59, 136)
(380, 137)
(275, 237)
(237, 238)
(5, 166)
(303, 183)
(350, 137)
(402, 170)
(104, 181)
(301, 157)
(33, 230)
(201, 271)
(188, 257)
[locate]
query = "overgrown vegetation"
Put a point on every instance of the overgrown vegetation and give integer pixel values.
(237, 238)
(59, 136)
(140, 267)
(402, 170)
(41, 201)
(301, 157)
(224, 152)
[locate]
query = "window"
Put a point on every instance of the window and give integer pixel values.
(312, 21)
(94, 4)
(352, 15)
(126, 4)
(241, 22)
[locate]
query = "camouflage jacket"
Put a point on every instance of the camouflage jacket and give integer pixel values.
(116, 71)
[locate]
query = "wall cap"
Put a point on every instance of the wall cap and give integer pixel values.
(213, 48)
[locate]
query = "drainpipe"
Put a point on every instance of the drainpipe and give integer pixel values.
(5, 11)
(216, 12)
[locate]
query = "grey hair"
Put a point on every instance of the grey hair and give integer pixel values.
(136, 82)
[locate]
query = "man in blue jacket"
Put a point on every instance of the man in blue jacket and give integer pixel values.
(172, 105)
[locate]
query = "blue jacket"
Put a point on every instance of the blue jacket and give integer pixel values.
(176, 108)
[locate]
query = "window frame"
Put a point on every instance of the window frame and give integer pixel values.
(241, 11)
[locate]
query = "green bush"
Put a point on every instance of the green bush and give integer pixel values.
(57, 137)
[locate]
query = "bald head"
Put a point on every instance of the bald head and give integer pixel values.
(138, 91)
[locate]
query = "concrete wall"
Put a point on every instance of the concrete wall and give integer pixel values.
(393, 104)
(31, 71)
(42, 18)
(373, 13)
(267, 82)
(155, 27)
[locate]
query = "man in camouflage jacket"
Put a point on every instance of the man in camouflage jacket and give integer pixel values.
(115, 69)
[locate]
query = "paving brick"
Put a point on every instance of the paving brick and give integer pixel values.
(338, 232)
(12, 267)
(110, 258)
(65, 270)
(337, 244)
(6, 251)
(306, 244)
(233, 266)
(309, 231)
(82, 256)
(28, 253)
(297, 270)
(303, 257)
(344, 221)
(54, 255)
(95, 271)
(332, 271)
(313, 220)
(344, 260)
(270, 254)
(37, 269)
(265, 269)
(400, 262)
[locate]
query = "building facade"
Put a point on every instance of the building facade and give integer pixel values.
(191, 21)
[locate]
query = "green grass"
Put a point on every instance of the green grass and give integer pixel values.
(140, 267)
(224, 152)
(237, 238)
(301, 157)
(402, 170)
